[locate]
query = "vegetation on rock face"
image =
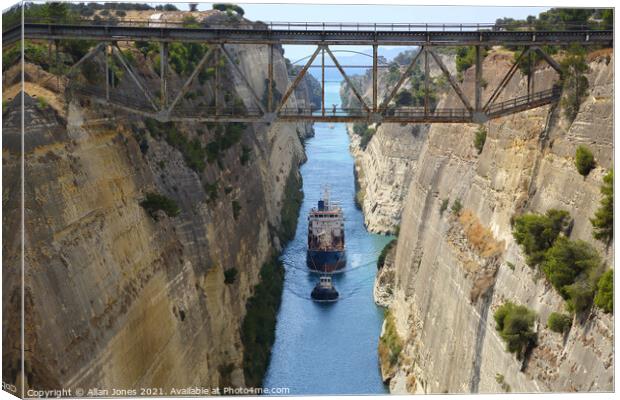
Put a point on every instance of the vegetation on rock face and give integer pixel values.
(390, 344)
(514, 324)
(584, 160)
(230, 275)
(236, 208)
(192, 150)
(466, 57)
(381, 260)
(480, 138)
(574, 81)
(559, 323)
(155, 202)
(444, 206)
(603, 221)
(604, 298)
(365, 132)
(289, 213)
(258, 328)
(573, 268)
(457, 206)
(536, 233)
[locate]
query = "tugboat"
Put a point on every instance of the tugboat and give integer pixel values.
(326, 251)
(324, 290)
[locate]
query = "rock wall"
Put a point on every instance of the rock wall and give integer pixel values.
(384, 168)
(452, 273)
(116, 298)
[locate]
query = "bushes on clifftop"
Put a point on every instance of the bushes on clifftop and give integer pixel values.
(514, 324)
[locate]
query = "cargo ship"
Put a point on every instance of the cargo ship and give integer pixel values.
(326, 250)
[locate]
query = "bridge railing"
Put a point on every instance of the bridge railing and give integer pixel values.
(523, 101)
(303, 26)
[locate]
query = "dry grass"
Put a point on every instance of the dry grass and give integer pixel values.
(480, 237)
(600, 53)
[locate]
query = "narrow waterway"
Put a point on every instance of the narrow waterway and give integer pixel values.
(329, 348)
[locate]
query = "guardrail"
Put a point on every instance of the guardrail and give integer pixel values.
(307, 26)
(522, 101)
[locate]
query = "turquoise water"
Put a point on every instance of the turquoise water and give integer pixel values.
(329, 348)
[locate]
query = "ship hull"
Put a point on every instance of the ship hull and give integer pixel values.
(326, 261)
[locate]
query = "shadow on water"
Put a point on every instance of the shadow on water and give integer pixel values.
(329, 348)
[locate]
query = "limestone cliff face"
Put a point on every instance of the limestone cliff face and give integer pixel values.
(384, 168)
(452, 273)
(116, 298)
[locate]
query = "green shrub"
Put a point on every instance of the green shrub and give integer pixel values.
(289, 213)
(604, 298)
(559, 323)
(480, 138)
(514, 324)
(236, 208)
(536, 233)
(444, 206)
(390, 344)
(245, 155)
(155, 202)
(603, 221)
(41, 103)
(193, 152)
(457, 206)
(211, 191)
(584, 160)
(566, 260)
(258, 328)
(230, 275)
(384, 252)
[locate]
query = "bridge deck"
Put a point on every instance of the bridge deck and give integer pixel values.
(347, 34)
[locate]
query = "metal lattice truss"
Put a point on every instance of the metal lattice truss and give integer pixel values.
(369, 110)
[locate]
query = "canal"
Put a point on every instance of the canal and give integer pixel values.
(329, 348)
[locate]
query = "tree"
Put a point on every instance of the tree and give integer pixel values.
(584, 160)
(603, 221)
(480, 138)
(559, 323)
(604, 298)
(514, 324)
(404, 98)
(573, 268)
(536, 233)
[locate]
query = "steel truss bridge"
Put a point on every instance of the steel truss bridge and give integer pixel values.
(323, 36)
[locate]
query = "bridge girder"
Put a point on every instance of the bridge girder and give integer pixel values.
(376, 112)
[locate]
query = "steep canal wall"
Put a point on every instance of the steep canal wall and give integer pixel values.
(457, 262)
(144, 240)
